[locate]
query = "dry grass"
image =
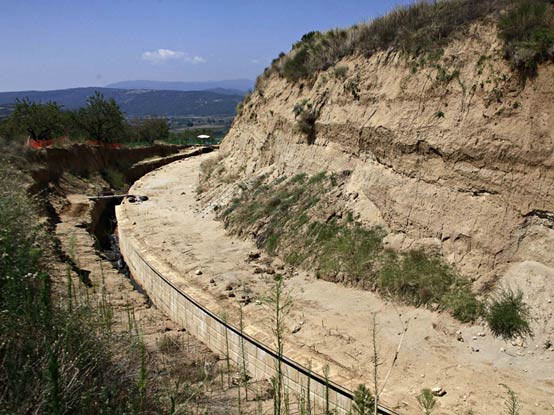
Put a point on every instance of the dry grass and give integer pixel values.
(422, 30)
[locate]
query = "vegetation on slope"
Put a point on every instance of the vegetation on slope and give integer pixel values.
(422, 30)
(64, 348)
(301, 220)
(54, 358)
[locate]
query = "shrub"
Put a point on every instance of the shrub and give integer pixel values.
(208, 167)
(462, 303)
(114, 177)
(415, 277)
(363, 401)
(341, 71)
(306, 115)
(507, 315)
(426, 401)
(528, 31)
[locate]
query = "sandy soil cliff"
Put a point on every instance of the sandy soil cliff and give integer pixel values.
(456, 157)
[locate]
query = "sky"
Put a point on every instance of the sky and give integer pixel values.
(55, 44)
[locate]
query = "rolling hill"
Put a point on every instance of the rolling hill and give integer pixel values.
(237, 85)
(139, 102)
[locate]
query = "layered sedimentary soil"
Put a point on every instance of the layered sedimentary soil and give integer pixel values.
(454, 158)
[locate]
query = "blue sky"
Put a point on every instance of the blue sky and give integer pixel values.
(51, 44)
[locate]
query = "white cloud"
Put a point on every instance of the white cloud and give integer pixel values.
(255, 61)
(194, 59)
(163, 55)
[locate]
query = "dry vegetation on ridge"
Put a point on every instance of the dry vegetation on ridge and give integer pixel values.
(422, 31)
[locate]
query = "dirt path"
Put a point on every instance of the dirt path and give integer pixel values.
(333, 321)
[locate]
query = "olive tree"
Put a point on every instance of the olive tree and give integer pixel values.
(40, 121)
(102, 119)
(152, 129)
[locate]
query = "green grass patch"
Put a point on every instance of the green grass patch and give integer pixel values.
(423, 280)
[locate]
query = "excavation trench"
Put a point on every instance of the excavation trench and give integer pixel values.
(168, 239)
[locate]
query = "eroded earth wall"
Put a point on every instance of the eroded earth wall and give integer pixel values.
(454, 156)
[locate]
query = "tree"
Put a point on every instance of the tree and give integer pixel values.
(41, 121)
(102, 119)
(152, 129)
(9, 129)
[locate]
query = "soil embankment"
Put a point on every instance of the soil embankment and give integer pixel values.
(453, 157)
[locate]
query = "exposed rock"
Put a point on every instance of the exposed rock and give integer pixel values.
(252, 256)
(198, 272)
(438, 391)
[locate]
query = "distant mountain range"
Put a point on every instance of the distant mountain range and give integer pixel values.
(240, 86)
(140, 102)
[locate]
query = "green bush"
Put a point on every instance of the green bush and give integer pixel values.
(462, 303)
(363, 401)
(415, 277)
(507, 314)
(341, 71)
(528, 31)
(114, 177)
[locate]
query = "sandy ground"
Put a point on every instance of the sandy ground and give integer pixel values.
(334, 321)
